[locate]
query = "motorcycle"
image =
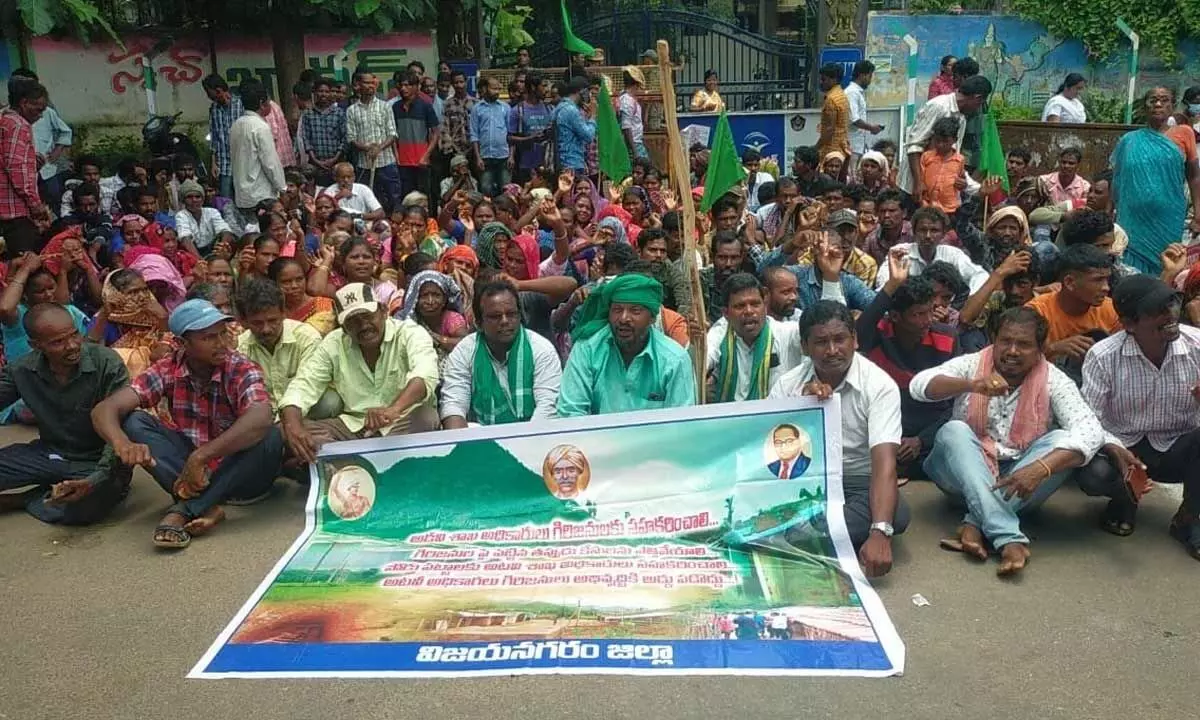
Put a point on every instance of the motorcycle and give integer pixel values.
(162, 143)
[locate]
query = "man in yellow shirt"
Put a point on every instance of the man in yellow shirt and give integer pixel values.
(385, 371)
(835, 113)
(279, 345)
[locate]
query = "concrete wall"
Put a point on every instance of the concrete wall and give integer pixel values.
(101, 84)
(1024, 62)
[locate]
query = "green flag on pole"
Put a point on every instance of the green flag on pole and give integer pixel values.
(991, 154)
(724, 166)
(570, 42)
(611, 151)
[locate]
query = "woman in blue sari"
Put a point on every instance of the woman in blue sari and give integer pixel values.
(1151, 167)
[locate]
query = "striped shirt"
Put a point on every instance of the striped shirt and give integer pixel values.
(372, 123)
(1134, 399)
(414, 122)
(220, 120)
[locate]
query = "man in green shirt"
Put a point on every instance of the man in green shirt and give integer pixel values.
(621, 361)
(78, 478)
(385, 371)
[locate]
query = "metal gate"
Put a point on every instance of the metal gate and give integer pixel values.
(756, 72)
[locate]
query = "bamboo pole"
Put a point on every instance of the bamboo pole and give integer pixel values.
(679, 168)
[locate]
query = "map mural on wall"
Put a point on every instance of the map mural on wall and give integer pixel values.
(1024, 62)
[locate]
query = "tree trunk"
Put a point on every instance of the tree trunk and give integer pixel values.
(287, 45)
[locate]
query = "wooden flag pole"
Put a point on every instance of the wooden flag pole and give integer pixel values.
(679, 167)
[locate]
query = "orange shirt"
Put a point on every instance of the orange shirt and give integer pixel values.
(675, 326)
(938, 175)
(1063, 326)
(1185, 138)
(835, 123)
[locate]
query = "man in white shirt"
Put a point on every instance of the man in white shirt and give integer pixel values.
(1142, 383)
(1018, 426)
(355, 198)
(862, 131)
(929, 226)
(197, 225)
(871, 429)
(747, 351)
(967, 100)
(755, 179)
(257, 172)
(503, 373)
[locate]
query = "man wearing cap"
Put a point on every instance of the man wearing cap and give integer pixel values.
(825, 277)
(199, 227)
(629, 111)
(385, 370)
(621, 361)
(1143, 384)
(218, 443)
(844, 223)
(649, 57)
(77, 477)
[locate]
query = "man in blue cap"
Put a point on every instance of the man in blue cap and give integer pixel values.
(218, 442)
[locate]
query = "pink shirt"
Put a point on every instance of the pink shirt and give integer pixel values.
(1076, 192)
(281, 133)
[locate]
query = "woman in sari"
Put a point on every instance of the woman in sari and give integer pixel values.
(833, 164)
(78, 278)
(132, 321)
(462, 265)
(353, 262)
(288, 274)
(434, 301)
(162, 278)
(1150, 168)
(874, 171)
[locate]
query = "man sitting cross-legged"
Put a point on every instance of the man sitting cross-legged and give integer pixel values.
(278, 344)
(385, 371)
(220, 443)
(503, 373)
(78, 479)
(873, 510)
(1144, 385)
(621, 361)
(1019, 424)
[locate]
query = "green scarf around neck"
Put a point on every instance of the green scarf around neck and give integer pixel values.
(489, 402)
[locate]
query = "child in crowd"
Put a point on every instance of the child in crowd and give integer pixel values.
(943, 169)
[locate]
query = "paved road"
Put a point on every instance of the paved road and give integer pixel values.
(101, 626)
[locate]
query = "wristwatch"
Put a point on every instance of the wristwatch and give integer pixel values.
(885, 528)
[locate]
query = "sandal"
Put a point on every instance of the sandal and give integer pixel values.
(1187, 531)
(1119, 517)
(182, 537)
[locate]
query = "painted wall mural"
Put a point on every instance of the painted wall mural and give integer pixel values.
(1024, 62)
(102, 84)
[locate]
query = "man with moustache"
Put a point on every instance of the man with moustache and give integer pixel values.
(871, 429)
(1142, 383)
(749, 352)
(1018, 426)
(728, 257)
(783, 294)
(621, 361)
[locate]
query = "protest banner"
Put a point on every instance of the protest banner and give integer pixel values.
(658, 542)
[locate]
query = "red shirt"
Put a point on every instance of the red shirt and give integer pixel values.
(18, 167)
(202, 408)
(940, 85)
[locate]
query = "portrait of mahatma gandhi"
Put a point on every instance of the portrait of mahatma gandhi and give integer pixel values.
(791, 448)
(566, 472)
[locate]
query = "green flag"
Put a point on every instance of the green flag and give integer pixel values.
(570, 42)
(991, 155)
(724, 166)
(611, 151)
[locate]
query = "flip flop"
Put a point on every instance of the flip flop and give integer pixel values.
(1119, 517)
(183, 537)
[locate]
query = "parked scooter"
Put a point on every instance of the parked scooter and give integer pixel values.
(162, 143)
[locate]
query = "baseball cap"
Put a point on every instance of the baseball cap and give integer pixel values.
(841, 218)
(353, 299)
(1139, 295)
(650, 55)
(195, 315)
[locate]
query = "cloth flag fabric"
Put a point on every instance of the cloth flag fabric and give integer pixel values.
(570, 41)
(724, 166)
(611, 151)
(991, 153)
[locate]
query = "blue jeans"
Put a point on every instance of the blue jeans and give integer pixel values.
(958, 467)
(494, 177)
(246, 474)
(37, 463)
(225, 186)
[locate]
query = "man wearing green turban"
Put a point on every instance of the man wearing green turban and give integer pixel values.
(621, 361)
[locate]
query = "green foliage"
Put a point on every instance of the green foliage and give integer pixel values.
(934, 7)
(1104, 107)
(80, 17)
(1003, 110)
(109, 146)
(380, 16)
(508, 28)
(1161, 24)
